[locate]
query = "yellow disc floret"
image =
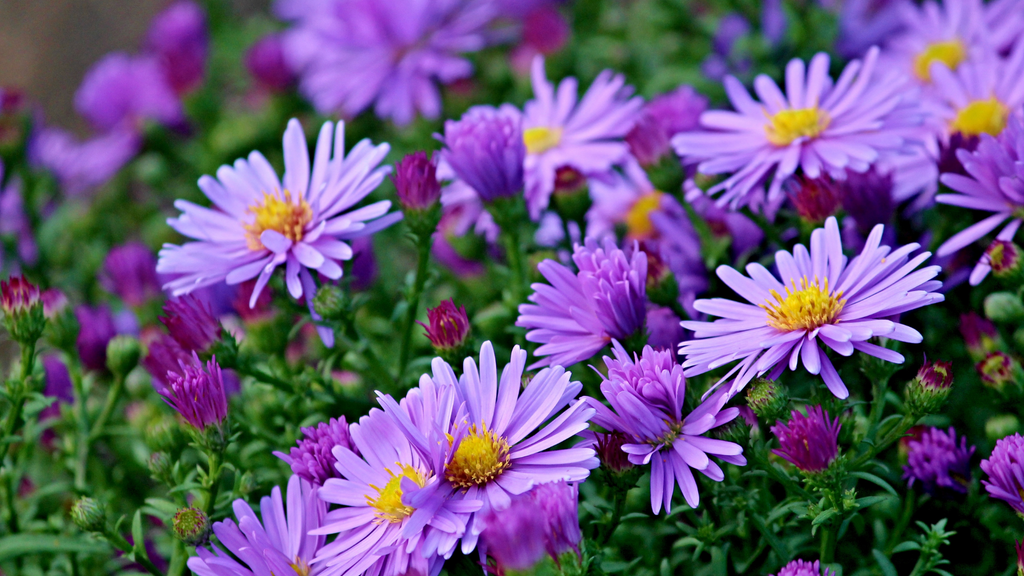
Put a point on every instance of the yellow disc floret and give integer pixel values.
(388, 500)
(301, 567)
(806, 307)
(540, 140)
(481, 457)
(951, 53)
(981, 117)
(279, 214)
(785, 126)
(638, 219)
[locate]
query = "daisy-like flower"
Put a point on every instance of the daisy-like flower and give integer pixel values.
(280, 544)
(818, 298)
(647, 394)
(809, 441)
(587, 135)
(353, 54)
(994, 183)
(817, 126)
(935, 461)
(805, 568)
(260, 222)
(1005, 469)
(578, 314)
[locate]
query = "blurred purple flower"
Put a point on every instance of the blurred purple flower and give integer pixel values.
(661, 119)
(545, 519)
(164, 355)
(96, 329)
(14, 221)
(58, 385)
(485, 150)
(130, 272)
(266, 62)
(179, 39)
(191, 323)
(363, 263)
(934, 460)
(663, 329)
(81, 166)
(122, 91)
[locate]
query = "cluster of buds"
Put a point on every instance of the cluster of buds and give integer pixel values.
(926, 393)
(22, 306)
(768, 399)
(448, 331)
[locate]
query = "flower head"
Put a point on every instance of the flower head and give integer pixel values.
(179, 39)
(122, 91)
(197, 393)
(265, 61)
(935, 461)
(1005, 469)
(279, 544)
(485, 150)
(804, 568)
(818, 297)
(545, 519)
(164, 355)
(647, 395)
(130, 272)
(449, 326)
(97, 328)
(587, 134)
(313, 459)
(191, 323)
(817, 126)
(416, 182)
(19, 296)
(82, 166)
(578, 314)
(980, 335)
(808, 441)
(661, 119)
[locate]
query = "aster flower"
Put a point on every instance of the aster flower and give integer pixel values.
(265, 61)
(661, 119)
(313, 459)
(97, 328)
(180, 41)
(485, 150)
(15, 221)
(723, 58)
(994, 183)
(818, 297)
(1005, 469)
(416, 182)
(545, 519)
(353, 54)
(197, 393)
(808, 441)
(81, 166)
(578, 314)
(805, 568)
(164, 355)
(817, 126)
(279, 544)
(122, 91)
(130, 272)
(867, 23)
(935, 461)
(448, 328)
(585, 134)
(647, 394)
(191, 323)
(260, 222)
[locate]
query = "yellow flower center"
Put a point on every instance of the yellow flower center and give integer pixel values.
(638, 219)
(540, 140)
(788, 125)
(805, 307)
(301, 567)
(481, 457)
(389, 498)
(981, 117)
(951, 53)
(674, 430)
(280, 215)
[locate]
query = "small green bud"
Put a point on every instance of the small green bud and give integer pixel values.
(160, 466)
(22, 309)
(191, 526)
(330, 302)
(926, 393)
(123, 354)
(768, 399)
(89, 514)
(1004, 307)
(165, 435)
(1001, 426)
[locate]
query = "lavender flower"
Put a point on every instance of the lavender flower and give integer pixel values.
(97, 327)
(122, 91)
(416, 182)
(661, 119)
(130, 272)
(191, 323)
(578, 314)
(647, 394)
(15, 221)
(197, 393)
(485, 150)
(1005, 469)
(313, 459)
(545, 519)
(449, 326)
(867, 23)
(808, 441)
(164, 355)
(805, 568)
(179, 40)
(265, 61)
(81, 167)
(58, 385)
(936, 462)
(821, 296)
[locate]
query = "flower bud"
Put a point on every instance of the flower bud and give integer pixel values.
(330, 302)
(191, 323)
(998, 369)
(808, 441)
(662, 286)
(609, 451)
(927, 392)
(1004, 307)
(160, 465)
(1001, 426)
(22, 309)
(266, 63)
(88, 514)
(980, 335)
(416, 182)
(1005, 259)
(164, 435)
(191, 526)
(768, 399)
(815, 199)
(448, 330)
(1019, 547)
(123, 353)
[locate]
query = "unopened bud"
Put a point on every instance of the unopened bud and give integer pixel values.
(768, 399)
(1004, 307)
(89, 514)
(927, 392)
(165, 435)
(22, 309)
(448, 330)
(609, 451)
(1001, 426)
(1005, 259)
(160, 465)
(330, 302)
(998, 369)
(662, 286)
(191, 526)
(123, 353)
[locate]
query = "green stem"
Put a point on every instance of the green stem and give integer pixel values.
(513, 250)
(119, 542)
(19, 395)
(178, 559)
(904, 521)
(828, 544)
(213, 479)
(423, 243)
(9, 490)
(82, 417)
(113, 395)
(877, 408)
(893, 435)
(353, 340)
(247, 368)
(618, 507)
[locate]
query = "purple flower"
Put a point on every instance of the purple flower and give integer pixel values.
(96, 329)
(663, 329)
(818, 296)
(197, 393)
(416, 182)
(13, 219)
(647, 395)
(578, 314)
(868, 199)
(545, 519)
(817, 126)
(130, 272)
(585, 134)
(180, 41)
(313, 459)
(994, 183)
(867, 23)
(363, 265)
(980, 335)
(280, 544)
(266, 62)
(54, 302)
(731, 28)
(351, 54)
(1005, 469)
(661, 119)
(809, 442)
(261, 222)
(164, 355)
(485, 150)
(83, 166)
(191, 323)
(122, 91)
(935, 461)
(58, 385)
(545, 30)
(805, 568)
(449, 326)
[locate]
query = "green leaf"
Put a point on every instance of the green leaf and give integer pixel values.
(160, 508)
(906, 546)
(871, 500)
(824, 517)
(139, 544)
(875, 480)
(887, 568)
(635, 516)
(23, 544)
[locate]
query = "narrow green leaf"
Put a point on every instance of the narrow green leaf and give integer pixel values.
(824, 517)
(875, 480)
(887, 568)
(24, 544)
(906, 546)
(139, 544)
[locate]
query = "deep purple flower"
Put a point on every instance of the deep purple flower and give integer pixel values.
(808, 441)
(179, 39)
(416, 182)
(58, 385)
(661, 119)
(609, 450)
(266, 62)
(96, 329)
(191, 323)
(363, 264)
(449, 325)
(81, 166)
(130, 272)
(980, 335)
(1005, 469)
(935, 461)
(545, 519)
(485, 150)
(663, 329)
(805, 568)
(197, 393)
(868, 199)
(647, 394)
(578, 314)
(545, 29)
(122, 91)
(164, 355)
(313, 459)
(815, 199)
(14, 220)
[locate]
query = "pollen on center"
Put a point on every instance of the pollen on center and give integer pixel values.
(279, 213)
(539, 140)
(638, 219)
(785, 126)
(951, 53)
(981, 117)
(388, 500)
(807, 306)
(482, 456)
